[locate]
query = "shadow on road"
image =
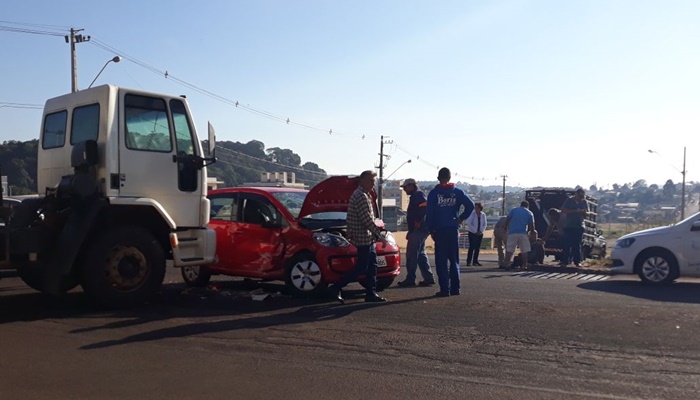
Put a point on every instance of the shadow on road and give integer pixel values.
(307, 314)
(679, 292)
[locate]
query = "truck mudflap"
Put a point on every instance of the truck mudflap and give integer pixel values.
(193, 247)
(59, 264)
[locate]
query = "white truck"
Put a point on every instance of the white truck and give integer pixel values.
(125, 183)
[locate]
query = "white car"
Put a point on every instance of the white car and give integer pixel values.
(660, 255)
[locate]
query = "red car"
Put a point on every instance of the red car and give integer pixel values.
(295, 235)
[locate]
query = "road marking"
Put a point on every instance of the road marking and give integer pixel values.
(561, 275)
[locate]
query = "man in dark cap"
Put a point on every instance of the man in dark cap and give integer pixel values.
(443, 221)
(417, 233)
(575, 209)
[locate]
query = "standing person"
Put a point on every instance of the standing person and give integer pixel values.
(575, 209)
(417, 233)
(442, 219)
(520, 221)
(363, 233)
(500, 235)
(476, 225)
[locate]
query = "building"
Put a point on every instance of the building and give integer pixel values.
(277, 179)
(392, 191)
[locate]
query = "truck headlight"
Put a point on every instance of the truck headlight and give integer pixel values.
(330, 240)
(624, 243)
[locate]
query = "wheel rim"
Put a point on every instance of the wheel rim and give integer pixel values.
(190, 273)
(656, 269)
(126, 268)
(305, 275)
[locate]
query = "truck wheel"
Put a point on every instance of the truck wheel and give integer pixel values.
(303, 276)
(124, 267)
(197, 276)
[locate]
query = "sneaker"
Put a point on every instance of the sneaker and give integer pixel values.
(469, 264)
(442, 294)
(406, 284)
(426, 283)
(477, 264)
(454, 293)
(374, 298)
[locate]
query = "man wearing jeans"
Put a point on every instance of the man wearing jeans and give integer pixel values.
(443, 220)
(363, 233)
(417, 233)
(575, 208)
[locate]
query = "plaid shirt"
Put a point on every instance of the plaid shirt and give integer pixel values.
(361, 228)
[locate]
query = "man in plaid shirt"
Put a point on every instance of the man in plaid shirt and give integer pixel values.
(363, 233)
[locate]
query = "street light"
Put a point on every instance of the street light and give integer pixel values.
(683, 171)
(115, 59)
(381, 185)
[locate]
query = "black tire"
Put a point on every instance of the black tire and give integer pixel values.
(585, 252)
(304, 277)
(198, 276)
(124, 267)
(382, 283)
(656, 267)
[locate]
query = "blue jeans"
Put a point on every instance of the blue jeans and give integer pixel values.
(447, 250)
(416, 257)
(572, 244)
(366, 263)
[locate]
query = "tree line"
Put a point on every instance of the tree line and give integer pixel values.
(238, 163)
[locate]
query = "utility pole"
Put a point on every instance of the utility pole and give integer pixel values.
(503, 203)
(72, 39)
(381, 175)
(683, 188)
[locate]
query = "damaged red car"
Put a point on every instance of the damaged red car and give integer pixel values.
(295, 235)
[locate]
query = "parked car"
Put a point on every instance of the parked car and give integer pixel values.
(660, 255)
(295, 235)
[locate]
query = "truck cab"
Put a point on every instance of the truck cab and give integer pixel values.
(124, 180)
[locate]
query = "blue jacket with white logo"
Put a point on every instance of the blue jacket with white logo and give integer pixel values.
(444, 202)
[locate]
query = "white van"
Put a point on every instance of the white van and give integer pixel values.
(660, 255)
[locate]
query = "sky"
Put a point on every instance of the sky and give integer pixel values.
(546, 92)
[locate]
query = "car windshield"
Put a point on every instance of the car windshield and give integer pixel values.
(292, 201)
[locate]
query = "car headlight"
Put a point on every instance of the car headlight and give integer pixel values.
(624, 243)
(330, 240)
(390, 238)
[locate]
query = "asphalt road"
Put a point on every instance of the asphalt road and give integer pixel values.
(510, 335)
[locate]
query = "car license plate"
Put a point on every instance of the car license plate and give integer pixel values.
(381, 261)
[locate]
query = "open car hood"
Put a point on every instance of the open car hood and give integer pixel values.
(332, 194)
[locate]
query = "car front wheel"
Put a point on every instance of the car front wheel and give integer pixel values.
(657, 267)
(304, 276)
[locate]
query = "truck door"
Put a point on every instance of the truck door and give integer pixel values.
(157, 156)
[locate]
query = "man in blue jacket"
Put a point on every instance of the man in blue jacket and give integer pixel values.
(443, 219)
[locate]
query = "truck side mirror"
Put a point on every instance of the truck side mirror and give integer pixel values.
(84, 154)
(212, 141)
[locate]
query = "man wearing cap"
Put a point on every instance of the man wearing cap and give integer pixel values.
(363, 233)
(443, 219)
(417, 233)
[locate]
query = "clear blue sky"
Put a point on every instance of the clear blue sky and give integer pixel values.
(549, 92)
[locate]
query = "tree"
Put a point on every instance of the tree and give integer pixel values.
(593, 188)
(640, 184)
(284, 157)
(669, 189)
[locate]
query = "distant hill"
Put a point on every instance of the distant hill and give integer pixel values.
(238, 163)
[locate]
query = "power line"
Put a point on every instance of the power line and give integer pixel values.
(234, 152)
(65, 28)
(20, 105)
(29, 31)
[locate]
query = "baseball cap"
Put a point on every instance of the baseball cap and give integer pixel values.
(409, 181)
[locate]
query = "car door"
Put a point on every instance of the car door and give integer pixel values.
(692, 247)
(224, 213)
(257, 240)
